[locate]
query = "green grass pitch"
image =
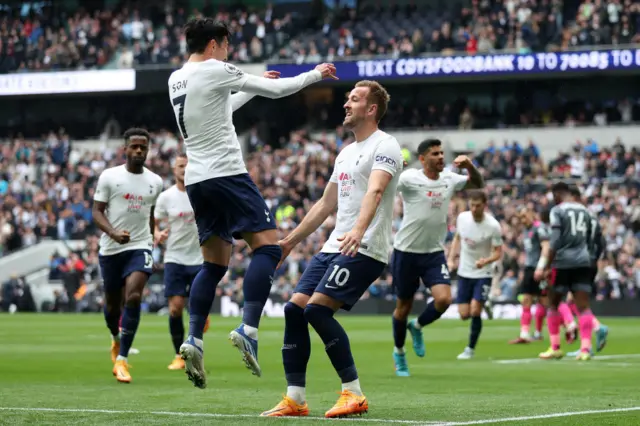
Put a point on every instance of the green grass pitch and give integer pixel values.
(56, 370)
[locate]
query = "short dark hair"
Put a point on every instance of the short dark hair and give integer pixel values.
(426, 145)
(200, 31)
(136, 131)
(478, 194)
(560, 187)
(181, 155)
(575, 191)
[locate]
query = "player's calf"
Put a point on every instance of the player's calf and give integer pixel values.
(176, 330)
(338, 348)
(296, 351)
(525, 321)
(257, 286)
(475, 328)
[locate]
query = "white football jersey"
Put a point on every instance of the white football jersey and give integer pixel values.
(129, 199)
(183, 246)
(354, 165)
(477, 241)
(425, 205)
(200, 93)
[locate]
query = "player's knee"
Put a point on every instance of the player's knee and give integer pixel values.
(272, 250)
(293, 312)
(464, 316)
(134, 299)
(401, 313)
(527, 301)
(175, 311)
(316, 314)
(442, 302)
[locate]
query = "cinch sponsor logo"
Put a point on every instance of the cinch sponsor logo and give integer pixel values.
(385, 159)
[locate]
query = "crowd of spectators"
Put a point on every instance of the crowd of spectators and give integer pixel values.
(47, 186)
(45, 36)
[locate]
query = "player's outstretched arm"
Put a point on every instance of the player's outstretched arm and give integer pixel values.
(317, 215)
(274, 89)
(239, 99)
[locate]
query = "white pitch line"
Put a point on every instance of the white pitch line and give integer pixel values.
(211, 415)
(595, 358)
(542, 416)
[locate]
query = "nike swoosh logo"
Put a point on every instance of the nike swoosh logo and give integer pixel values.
(362, 403)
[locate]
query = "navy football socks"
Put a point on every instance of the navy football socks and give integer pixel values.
(257, 282)
(399, 332)
(130, 321)
(176, 328)
(112, 318)
(476, 328)
(336, 342)
(429, 315)
(203, 292)
(296, 349)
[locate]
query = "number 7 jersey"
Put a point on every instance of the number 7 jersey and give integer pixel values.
(200, 93)
(570, 231)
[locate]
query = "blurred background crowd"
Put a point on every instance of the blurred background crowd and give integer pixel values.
(47, 182)
(84, 35)
(47, 190)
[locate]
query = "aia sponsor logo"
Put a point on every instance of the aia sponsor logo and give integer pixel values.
(344, 176)
(187, 217)
(135, 202)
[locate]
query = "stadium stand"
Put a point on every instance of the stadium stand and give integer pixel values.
(47, 186)
(53, 37)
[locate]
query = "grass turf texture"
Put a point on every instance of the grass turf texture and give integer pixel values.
(55, 369)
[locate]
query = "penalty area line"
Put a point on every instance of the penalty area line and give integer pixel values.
(543, 416)
(211, 415)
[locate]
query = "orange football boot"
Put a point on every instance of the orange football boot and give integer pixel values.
(287, 408)
(177, 363)
(115, 350)
(349, 404)
(121, 371)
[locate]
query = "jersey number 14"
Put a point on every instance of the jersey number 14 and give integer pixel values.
(178, 109)
(578, 225)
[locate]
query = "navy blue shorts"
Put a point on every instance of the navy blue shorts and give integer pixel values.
(340, 277)
(116, 268)
(473, 288)
(408, 268)
(178, 278)
(229, 206)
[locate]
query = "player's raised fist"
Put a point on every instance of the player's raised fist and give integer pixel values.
(273, 75)
(462, 162)
(161, 236)
(327, 70)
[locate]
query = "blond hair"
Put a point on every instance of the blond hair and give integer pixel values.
(378, 95)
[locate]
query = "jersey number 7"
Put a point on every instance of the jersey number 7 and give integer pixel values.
(179, 102)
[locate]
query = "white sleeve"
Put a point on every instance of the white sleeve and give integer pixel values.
(103, 189)
(388, 157)
(496, 238)
(279, 88)
(239, 99)
(160, 211)
(459, 181)
(402, 180)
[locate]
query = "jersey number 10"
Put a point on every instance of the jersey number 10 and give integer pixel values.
(578, 225)
(179, 102)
